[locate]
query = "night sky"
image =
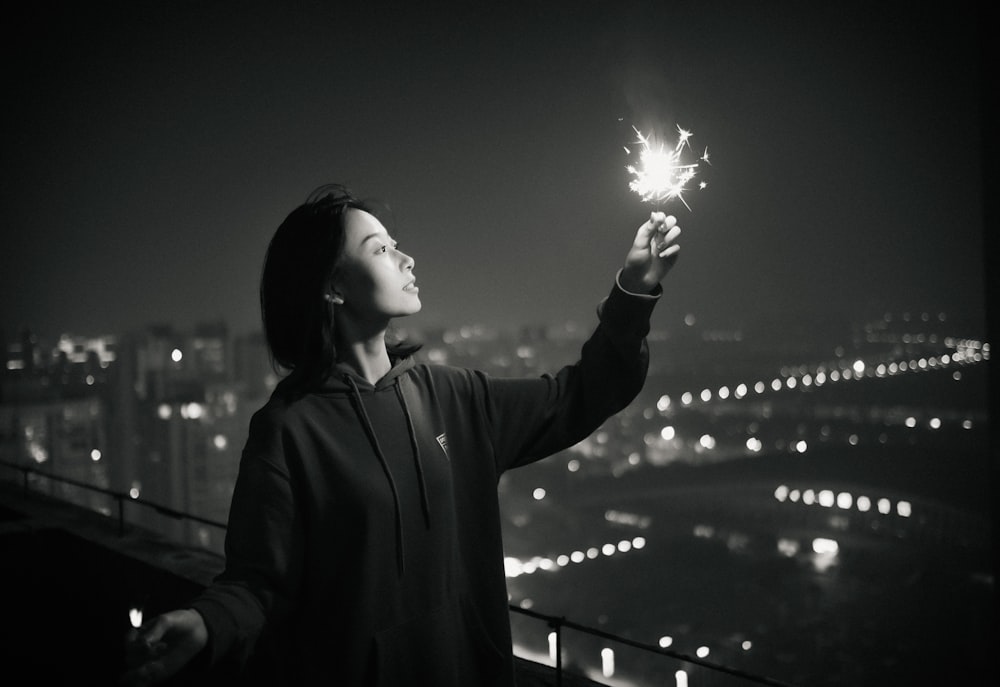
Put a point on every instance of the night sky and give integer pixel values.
(151, 149)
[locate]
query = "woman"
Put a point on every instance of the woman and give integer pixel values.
(364, 539)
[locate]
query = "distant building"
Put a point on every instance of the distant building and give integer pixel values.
(55, 412)
(157, 413)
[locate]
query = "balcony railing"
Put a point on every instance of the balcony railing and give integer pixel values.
(716, 674)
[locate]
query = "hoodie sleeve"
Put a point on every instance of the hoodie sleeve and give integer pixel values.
(263, 550)
(531, 418)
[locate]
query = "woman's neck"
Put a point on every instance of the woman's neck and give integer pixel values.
(366, 355)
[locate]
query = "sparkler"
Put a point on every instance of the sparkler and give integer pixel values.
(662, 174)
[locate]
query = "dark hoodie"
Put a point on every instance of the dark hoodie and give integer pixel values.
(364, 541)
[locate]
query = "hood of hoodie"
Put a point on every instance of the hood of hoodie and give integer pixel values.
(342, 376)
(345, 379)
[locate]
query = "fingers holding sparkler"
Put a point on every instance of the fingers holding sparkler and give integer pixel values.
(653, 253)
(658, 235)
(664, 241)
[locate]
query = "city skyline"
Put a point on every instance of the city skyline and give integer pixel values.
(151, 152)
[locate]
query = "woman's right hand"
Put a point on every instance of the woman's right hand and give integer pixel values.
(159, 649)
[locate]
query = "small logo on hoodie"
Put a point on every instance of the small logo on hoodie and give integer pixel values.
(442, 440)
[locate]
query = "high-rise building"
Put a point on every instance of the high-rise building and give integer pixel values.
(54, 413)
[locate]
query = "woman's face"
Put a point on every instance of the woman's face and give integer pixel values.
(375, 280)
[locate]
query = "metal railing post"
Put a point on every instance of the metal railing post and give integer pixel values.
(557, 625)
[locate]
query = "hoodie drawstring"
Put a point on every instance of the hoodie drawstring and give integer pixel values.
(425, 504)
(373, 438)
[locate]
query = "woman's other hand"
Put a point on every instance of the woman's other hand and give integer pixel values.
(159, 649)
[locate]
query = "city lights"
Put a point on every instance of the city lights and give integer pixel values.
(843, 500)
(787, 547)
(192, 411)
(821, 545)
(515, 567)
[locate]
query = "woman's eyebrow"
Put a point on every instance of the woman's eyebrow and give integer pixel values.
(373, 235)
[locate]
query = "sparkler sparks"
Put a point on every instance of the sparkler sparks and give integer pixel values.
(661, 174)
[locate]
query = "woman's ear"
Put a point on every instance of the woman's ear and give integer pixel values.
(333, 294)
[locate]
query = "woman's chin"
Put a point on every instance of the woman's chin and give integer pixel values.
(413, 309)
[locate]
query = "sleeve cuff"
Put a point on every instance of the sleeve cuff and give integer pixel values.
(220, 628)
(626, 312)
(655, 294)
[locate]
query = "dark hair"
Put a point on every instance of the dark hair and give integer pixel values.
(301, 261)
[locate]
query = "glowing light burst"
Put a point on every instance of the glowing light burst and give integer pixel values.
(662, 174)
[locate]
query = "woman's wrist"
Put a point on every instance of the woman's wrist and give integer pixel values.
(634, 286)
